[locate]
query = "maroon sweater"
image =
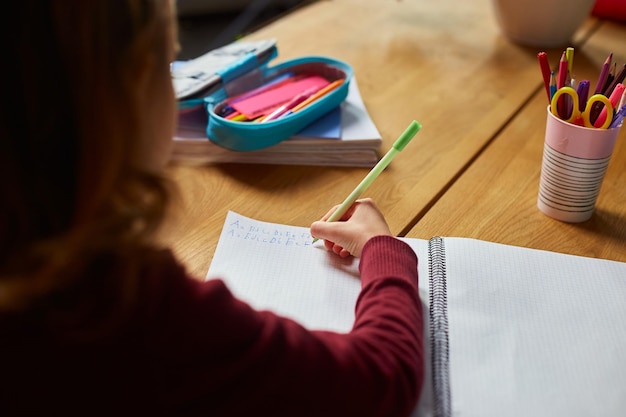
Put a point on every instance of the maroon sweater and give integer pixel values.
(191, 348)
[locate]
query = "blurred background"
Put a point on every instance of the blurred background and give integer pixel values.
(208, 24)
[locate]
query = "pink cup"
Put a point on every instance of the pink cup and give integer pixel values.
(575, 160)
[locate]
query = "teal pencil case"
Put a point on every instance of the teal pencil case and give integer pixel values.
(250, 105)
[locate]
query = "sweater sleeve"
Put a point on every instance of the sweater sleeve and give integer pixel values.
(217, 356)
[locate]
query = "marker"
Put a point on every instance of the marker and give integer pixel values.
(542, 57)
(276, 114)
(618, 118)
(583, 94)
(237, 117)
(569, 54)
(616, 95)
(398, 145)
(330, 87)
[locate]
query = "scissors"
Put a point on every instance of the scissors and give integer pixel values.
(577, 116)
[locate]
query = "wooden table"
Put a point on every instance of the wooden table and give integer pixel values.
(443, 63)
(496, 197)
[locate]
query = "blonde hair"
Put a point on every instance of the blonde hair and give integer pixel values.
(73, 190)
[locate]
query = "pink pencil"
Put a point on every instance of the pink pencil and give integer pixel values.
(562, 105)
(562, 71)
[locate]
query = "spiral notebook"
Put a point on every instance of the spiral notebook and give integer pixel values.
(512, 331)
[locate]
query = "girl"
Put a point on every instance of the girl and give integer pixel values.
(95, 319)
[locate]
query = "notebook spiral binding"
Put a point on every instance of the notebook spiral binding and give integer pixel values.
(439, 326)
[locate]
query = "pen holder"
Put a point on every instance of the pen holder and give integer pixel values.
(575, 159)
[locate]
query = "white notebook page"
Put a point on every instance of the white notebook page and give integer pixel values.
(532, 333)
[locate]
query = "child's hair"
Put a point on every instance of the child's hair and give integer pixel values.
(73, 192)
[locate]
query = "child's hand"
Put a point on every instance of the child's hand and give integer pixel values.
(347, 237)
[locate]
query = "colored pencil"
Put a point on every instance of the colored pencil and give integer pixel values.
(604, 72)
(609, 78)
(562, 104)
(562, 71)
(619, 78)
(615, 98)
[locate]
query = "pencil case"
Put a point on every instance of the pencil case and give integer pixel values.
(212, 92)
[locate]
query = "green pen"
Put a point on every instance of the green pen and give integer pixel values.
(398, 145)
